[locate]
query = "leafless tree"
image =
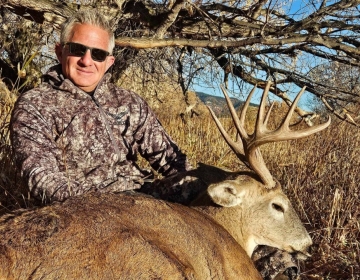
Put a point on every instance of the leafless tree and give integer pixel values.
(238, 41)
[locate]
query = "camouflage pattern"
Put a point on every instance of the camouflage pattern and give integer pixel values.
(273, 263)
(68, 142)
(177, 188)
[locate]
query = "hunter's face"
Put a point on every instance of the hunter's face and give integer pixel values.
(84, 67)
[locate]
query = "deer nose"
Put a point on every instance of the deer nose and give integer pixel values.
(303, 255)
(301, 248)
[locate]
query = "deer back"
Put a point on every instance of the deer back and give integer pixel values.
(118, 236)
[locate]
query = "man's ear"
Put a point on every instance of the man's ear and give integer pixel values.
(109, 61)
(58, 51)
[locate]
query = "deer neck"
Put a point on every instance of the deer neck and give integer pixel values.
(230, 219)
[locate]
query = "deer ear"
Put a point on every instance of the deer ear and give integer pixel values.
(225, 194)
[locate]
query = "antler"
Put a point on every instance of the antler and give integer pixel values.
(247, 147)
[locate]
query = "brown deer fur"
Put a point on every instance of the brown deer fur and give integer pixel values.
(118, 236)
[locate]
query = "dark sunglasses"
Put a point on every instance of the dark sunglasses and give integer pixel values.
(80, 50)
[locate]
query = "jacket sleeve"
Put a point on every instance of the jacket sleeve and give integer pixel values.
(36, 154)
(157, 147)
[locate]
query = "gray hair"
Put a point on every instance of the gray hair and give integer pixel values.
(90, 17)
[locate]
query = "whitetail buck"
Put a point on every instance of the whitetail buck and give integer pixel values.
(134, 236)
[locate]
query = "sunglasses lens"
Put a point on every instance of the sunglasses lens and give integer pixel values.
(99, 55)
(77, 49)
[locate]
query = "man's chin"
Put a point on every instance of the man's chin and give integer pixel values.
(84, 85)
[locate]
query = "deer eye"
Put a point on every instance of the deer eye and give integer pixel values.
(277, 207)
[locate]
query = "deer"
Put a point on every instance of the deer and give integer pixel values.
(130, 235)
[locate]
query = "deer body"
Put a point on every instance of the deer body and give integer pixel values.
(119, 236)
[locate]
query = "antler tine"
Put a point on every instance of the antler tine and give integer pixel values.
(263, 102)
(261, 120)
(306, 131)
(237, 147)
(239, 123)
(246, 105)
(268, 113)
(286, 121)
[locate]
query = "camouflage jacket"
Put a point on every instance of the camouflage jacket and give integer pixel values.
(67, 142)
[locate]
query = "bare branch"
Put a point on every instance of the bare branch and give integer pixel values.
(248, 40)
(160, 32)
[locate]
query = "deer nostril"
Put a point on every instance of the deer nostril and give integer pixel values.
(278, 207)
(310, 250)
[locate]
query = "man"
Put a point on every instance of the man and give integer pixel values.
(78, 132)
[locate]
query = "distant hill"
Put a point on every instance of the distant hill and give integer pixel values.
(218, 104)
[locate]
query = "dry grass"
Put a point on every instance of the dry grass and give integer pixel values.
(10, 190)
(319, 174)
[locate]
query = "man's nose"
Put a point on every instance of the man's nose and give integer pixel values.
(86, 58)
